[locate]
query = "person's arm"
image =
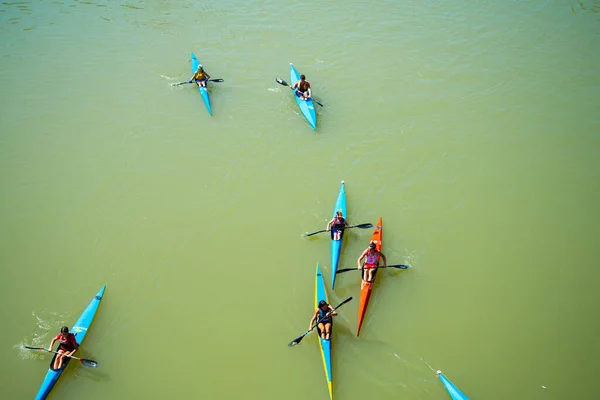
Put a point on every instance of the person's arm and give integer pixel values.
(384, 259)
(295, 85)
(207, 75)
(313, 319)
(192, 78)
(75, 347)
(309, 91)
(332, 311)
(52, 343)
(360, 258)
(329, 225)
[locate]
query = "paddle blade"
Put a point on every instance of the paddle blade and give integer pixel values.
(344, 302)
(339, 271)
(89, 363)
(400, 266)
(34, 348)
(364, 226)
(296, 341)
(281, 82)
(217, 80)
(313, 233)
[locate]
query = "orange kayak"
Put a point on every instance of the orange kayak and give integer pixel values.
(367, 287)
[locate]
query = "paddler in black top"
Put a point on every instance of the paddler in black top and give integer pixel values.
(324, 315)
(337, 225)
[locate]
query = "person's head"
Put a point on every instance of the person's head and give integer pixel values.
(64, 331)
(322, 304)
(302, 77)
(200, 68)
(372, 246)
(339, 214)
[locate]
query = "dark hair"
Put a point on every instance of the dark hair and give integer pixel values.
(64, 329)
(302, 77)
(372, 245)
(322, 303)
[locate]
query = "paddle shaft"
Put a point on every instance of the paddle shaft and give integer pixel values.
(399, 266)
(83, 360)
(218, 80)
(361, 226)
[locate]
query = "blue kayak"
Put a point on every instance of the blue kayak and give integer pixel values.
(306, 106)
(203, 89)
(80, 330)
(452, 390)
(336, 245)
(321, 294)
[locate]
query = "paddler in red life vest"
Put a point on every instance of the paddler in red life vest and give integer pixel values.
(323, 314)
(336, 226)
(371, 262)
(68, 346)
(303, 87)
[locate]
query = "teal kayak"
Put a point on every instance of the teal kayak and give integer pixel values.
(336, 245)
(452, 390)
(203, 89)
(80, 329)
(306, 106)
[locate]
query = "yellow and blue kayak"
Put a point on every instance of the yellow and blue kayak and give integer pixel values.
(306, 106)
(452, 390)
(321, 294)
(80, 329)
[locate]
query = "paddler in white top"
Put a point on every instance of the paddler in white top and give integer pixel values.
(371, 263)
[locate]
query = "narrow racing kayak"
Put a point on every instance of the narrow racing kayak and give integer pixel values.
(79, 329)
(321, 294)
(367, 287)
(203, 89)
(452, 390)
(336, 245)
(306, 106)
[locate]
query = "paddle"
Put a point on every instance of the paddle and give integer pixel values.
(210, 80)
(284, 83)
(361, 226)
(87, 363)
(299, 338)
(399, 266)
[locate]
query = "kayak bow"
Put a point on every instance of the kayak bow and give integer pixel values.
(306, 106)
(452, 390)
(203, 89)
(336, 245)
(79, 329)
(367, 287)
(321, 294)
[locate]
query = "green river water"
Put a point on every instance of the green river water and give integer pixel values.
(472, 128)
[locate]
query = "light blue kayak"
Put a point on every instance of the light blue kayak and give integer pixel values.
(306, 106)
(203, 89)
(336, 245)
(80, 330)
(321, 294)
(452, 390)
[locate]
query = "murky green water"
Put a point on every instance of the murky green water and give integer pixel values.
(472, 128)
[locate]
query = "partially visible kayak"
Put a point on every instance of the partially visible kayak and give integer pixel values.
(80, 330)
(452, 390)
(306, 106)
(367, 287)
(321, 294)
(203, 89)
(336, 245)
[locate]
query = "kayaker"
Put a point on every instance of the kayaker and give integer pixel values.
(200, 76)
(68, 346)
(324, 315)
(303, 87)
(371, 262)
(337, 225)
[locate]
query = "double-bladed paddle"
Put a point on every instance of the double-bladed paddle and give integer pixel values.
(399, 266)
(87, 363)
(299, 338)
(284, 83)
(210, 80)
(361, 226)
